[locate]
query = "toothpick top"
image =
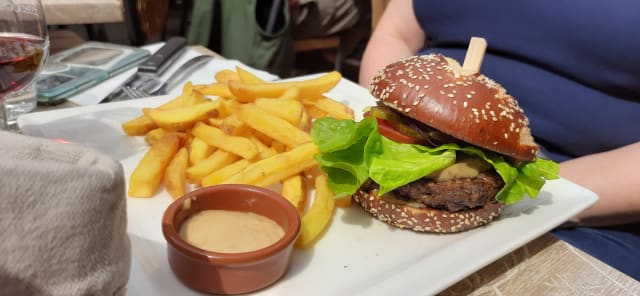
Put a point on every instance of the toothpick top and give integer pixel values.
(474, 56)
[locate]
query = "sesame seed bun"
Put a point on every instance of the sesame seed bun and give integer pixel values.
(473, 108)
(401, 214)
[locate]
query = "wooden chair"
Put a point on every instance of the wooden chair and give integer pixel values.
(330, 42)
(333, 42)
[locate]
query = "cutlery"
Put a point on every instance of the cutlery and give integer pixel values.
(150, 69)
(158, 87)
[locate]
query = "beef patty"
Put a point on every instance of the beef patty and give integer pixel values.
(451, 195)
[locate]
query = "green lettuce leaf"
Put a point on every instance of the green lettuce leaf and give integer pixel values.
(352, 152)
(342, 144)
(397, 164)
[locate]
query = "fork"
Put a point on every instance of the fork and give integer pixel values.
(162, 88)
(135, 93)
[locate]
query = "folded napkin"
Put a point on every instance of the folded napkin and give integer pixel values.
(62, 220)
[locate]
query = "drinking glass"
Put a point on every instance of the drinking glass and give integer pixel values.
(24, 47)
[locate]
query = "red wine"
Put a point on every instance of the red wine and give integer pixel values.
(20, 58)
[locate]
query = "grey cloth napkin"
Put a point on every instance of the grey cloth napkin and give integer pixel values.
(63, 228)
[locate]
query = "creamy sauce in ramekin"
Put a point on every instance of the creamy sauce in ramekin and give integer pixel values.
(230, 231)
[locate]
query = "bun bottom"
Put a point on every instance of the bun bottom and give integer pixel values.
(401, 214)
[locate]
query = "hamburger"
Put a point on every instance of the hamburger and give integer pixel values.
(442, 151)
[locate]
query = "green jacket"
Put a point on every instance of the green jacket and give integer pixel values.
(240, 29)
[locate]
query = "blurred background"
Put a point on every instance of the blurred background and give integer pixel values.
(285, 37)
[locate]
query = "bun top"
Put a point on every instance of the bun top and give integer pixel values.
(473, 108)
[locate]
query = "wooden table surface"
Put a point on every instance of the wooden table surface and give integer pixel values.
(544, 266)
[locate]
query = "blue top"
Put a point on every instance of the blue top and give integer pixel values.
(573, 66)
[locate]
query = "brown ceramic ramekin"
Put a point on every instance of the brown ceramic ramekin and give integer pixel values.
(230, 273)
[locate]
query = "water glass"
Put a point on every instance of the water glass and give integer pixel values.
(18, 103)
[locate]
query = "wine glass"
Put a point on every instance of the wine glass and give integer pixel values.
(24, 47)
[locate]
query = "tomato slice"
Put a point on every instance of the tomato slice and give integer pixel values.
(387, 130)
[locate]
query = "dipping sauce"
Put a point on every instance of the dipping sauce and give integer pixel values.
(230, 231)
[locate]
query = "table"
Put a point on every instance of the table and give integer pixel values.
(71, 12)
(544, 266)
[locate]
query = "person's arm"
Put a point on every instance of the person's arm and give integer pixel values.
(397, 35)
(614, 177)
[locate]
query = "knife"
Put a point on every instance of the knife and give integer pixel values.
(163, 87)
(151, 68)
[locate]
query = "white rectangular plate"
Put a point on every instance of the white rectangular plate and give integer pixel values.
(357, 254)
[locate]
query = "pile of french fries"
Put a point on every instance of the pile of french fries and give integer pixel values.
(241, 130)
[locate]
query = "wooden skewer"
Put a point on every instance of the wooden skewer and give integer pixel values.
(474, 56)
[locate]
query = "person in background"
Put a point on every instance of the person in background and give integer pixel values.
(321, 18)
(347, 19)
(574, 68)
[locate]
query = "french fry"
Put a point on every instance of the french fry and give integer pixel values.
(314, 112)
(272, 126)
(225, 173)
(263, 150)
(179, 101)
(138, 126)
(215, 121)
(228, 107)
(266, 153)
(154, 135)
(270, 170)
(278, 147)
(147, 176)
(215, 161)
(194, 98)
(143, 124)
(216, 89)
(217, 138)
(181, 118)
(226, 75)
(199, 150)
(286, 173)
(232, 125)
(305, 121)
(248, 77)
(262, 137)
(294, 191)
(308, 88)
(331, 107)
(188, 97)
(292, 93)
(174, 177)
(289, 110)
(256, 132)
(253, 138)
(317, 218)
